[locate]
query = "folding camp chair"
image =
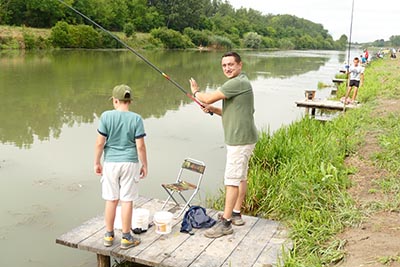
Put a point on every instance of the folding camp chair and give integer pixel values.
(193, 171)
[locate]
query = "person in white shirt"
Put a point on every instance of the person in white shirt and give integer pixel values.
(356, 72)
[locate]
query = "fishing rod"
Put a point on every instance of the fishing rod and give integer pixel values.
(351, 33)
(137, 54)
(348, 54)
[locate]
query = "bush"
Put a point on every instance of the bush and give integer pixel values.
(252, 40)
(268, 42)
(84, 36)
(42, 43)
(129, 29)
(106, 41)
(60, 36)
(172, 39)
(286, 43)
(69, 36)
(199, 38)
(220, 42)
(29, 40)
(9, 43)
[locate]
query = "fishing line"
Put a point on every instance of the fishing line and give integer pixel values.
(137, 54)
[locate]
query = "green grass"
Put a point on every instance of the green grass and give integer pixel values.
(322, 85)
(298, 175)
(15, 38)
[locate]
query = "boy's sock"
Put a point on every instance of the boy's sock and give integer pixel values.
(127, 236)
(111, 233)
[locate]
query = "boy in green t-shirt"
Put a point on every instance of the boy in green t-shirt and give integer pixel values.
(121, 138)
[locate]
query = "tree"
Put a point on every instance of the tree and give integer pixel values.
(306, 42)
(181, 14)
(33, 13)
(42, 14)
(342, 42)
(395, 40)
(379, 43)
(144, 17)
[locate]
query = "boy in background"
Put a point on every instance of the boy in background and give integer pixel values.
(356, 72)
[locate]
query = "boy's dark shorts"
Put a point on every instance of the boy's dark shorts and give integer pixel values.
(354, 83)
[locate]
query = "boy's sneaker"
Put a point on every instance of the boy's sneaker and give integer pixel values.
(237, 219)
(221, 228)
(108, 240)
(129, 243)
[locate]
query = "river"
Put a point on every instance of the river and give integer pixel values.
(51, 102)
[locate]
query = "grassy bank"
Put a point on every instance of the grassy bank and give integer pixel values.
(298, 174)
(12, 37)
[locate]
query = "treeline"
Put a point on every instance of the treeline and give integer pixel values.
(172, 24)
(394, 41)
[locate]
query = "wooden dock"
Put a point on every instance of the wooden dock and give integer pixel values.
(324, 104)
(339, 81)
(259, 243)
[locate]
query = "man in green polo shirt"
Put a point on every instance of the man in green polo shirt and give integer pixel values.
(240, 137)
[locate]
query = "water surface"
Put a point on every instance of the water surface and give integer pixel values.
(51, 102)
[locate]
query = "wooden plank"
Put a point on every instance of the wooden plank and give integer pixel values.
(82, 232)
(94, 243)
(158, 251)
(190, 248)
(148, 238)
(273, 250)
(88, 228)
(219, 250)
(325, 104)
(338, 80)
(250, 248)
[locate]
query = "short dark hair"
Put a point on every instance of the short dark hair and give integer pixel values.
(237, 57)
(356, 58)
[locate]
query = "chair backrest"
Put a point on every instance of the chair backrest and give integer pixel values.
(194, 165)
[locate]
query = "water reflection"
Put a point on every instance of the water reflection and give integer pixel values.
(42, 92)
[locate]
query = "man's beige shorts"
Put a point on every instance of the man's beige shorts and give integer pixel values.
(120, 181)
(237, 163)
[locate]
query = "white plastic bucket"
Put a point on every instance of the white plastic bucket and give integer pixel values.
(140, 218)
(163, 222)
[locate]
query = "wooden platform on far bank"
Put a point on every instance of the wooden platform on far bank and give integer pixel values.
(325, 104)
(339, 81)
(258, 243)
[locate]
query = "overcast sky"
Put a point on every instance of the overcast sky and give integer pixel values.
(372, 19)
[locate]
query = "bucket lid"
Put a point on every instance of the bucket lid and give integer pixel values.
(162, 216)
(141, 211)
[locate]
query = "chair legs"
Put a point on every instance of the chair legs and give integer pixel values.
(186, 202)
(170, 195)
